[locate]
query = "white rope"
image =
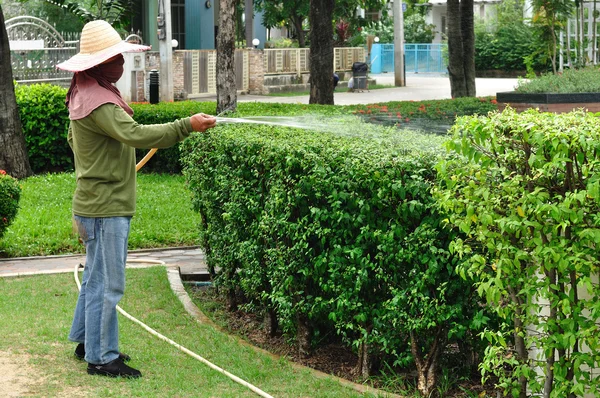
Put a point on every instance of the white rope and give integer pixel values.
(180, 347)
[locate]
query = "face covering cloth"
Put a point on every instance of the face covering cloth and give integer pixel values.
(94, 87)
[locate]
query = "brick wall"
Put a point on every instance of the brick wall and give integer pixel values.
(256, 68)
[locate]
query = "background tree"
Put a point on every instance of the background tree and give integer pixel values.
(321, 51)
(322, 13)
(226, 88)
(277, 13)
(115, 12)
(461, 48)
(549, 18)
(13, 153)
(416, 30)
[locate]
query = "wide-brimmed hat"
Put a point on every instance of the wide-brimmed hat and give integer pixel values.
(99, 42)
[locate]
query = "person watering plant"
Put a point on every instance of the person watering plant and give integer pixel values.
(103, 137)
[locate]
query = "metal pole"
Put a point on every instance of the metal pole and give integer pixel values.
(399, 79)
(165, 37)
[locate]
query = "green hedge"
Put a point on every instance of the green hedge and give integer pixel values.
(331, 232)
(45, 122)
(525, 189)
(10, 193)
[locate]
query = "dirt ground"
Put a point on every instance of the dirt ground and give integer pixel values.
(16, 376)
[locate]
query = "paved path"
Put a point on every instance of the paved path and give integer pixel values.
(191, 260)
(418, 87)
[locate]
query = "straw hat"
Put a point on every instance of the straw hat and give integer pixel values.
(99, 42)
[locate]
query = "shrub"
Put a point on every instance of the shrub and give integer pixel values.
(525, 189)
(585, 80)
(507, 47)
(10, 193)
(45, 122)
(332, 232)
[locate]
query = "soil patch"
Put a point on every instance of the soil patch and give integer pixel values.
(330, 357)
(16, 377)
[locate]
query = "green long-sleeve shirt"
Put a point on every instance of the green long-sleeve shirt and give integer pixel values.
(103, 143)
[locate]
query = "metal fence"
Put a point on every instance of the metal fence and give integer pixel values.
(418, 58)
(36, 48)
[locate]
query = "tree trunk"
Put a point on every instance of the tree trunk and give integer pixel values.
(226, 89)
(461, 48)
(297, 22)
(13, 151)
(271, 322)
(321, 51)
(427, 363)
(304, 333)
(365, 362)
(467, 29)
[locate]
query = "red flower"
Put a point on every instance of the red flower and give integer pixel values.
(359, 29)
(494, 101)
(2, 172)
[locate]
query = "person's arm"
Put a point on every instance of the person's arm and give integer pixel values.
(116, 123)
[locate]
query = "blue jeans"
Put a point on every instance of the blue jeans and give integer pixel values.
(95, 322)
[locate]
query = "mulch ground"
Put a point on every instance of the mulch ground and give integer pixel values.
(332, 357)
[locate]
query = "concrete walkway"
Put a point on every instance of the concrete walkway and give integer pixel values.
(418, 87)
(190, 260)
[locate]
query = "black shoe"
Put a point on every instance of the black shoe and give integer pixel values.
(80, 353)
(114, 368)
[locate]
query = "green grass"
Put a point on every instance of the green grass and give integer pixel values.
(43, 224)
(40, 309)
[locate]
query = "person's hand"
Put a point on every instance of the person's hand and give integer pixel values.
(202, 122)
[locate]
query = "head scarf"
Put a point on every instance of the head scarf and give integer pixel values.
(94, 87)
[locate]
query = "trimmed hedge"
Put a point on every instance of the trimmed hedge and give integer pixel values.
(10, 193)
(332, 232)
(45, 121)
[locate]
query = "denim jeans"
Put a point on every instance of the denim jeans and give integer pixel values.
(95, 322)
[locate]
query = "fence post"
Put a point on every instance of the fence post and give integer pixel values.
(298, 64)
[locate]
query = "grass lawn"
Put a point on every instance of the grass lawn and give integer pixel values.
(40, 309)
(43, 226)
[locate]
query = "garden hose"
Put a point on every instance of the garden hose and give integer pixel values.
(146, 158)
(173, 343)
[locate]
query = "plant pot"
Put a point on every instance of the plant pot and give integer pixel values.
(549, 102)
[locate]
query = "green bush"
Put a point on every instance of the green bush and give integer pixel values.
(507, 47)
(525, 190)
(45, 122)
(331, 232)
(10, 193)
(585, 80)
